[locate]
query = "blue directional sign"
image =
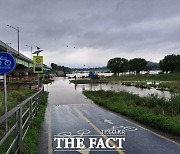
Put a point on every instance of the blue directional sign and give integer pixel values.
(7, 62)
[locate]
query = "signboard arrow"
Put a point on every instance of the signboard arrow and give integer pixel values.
(84, 150)
(108, 121)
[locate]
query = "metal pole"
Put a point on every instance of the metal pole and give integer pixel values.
(17, 29)
(31, 49)
(38, 74)
(38, 80)
(20, 131)
(5, 100)
(31, 52)
(18, 39)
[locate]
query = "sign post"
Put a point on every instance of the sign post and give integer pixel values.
(5, 99)
(38, 65)
(7, 64)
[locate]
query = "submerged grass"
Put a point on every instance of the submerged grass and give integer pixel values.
(170, 82)
(156, 112)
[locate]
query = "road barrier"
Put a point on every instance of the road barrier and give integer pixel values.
(19, 120)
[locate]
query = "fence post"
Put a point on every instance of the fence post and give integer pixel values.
(20, 130)
(38, 100)
(17, 127)
(31, 110)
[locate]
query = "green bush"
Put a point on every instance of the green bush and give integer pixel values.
(142, 109)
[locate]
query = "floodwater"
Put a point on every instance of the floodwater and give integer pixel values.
(75, 91)
(69, 112)
(118, 87)
(62, 91)
(107, 74)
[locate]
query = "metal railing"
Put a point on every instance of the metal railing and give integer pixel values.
(19, 120)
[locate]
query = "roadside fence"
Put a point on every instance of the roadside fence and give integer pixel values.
(18, 121)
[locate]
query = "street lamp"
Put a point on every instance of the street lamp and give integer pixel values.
(17, 29)
(7, 46)
(31, 49)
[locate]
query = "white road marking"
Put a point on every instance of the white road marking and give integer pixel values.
(108, 121)
(84, 150)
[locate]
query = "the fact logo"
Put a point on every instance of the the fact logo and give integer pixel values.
(109, 139)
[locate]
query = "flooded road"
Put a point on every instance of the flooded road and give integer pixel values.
(62, 92)
(74, 124)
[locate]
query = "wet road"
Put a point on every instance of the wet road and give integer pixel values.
(74, 124)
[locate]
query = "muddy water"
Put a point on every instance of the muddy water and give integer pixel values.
(64, 88)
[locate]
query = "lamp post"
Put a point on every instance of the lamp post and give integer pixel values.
(31, 49)
(7, 46)
(17, 29)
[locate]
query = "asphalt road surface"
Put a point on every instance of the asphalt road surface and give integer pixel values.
(74, 124)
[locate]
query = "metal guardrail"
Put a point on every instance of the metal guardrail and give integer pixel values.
(19, 120)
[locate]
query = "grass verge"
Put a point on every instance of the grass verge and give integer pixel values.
(14, 98)
(158, 113)
(146, 77)
(31, 139)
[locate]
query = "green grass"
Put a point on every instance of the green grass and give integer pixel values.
(14, 98)
(31, 139)
(146, 77)
(158, 113)
(170, 82)
(172, 86)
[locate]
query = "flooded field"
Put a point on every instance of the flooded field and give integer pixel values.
(72, 90)
(118, 87)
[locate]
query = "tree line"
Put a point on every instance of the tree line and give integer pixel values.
(56, 67)
(170, 63)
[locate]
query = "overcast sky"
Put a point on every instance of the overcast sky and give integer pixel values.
(98, 29)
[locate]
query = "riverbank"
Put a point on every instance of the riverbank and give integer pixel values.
(87, 81)
(146, 77)
(158, 113)
(168, 82)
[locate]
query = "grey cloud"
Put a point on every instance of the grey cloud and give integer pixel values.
(109, 27)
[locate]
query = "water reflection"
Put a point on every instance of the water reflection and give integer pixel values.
(117, 87)
(64, 92)
(61, 92)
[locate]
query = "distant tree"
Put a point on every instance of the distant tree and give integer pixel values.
(170, 63)
(137, 65)
(54, 66)
(118, 65)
